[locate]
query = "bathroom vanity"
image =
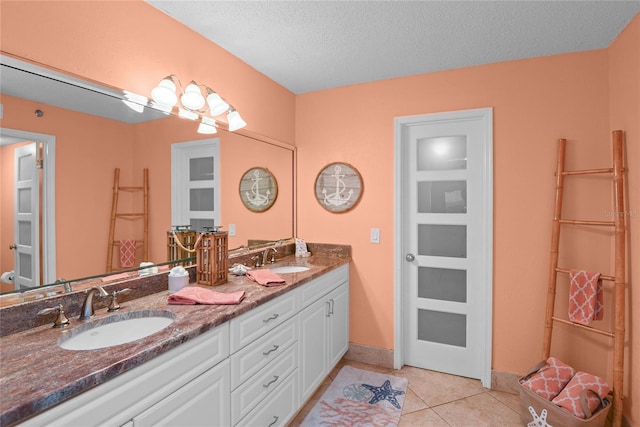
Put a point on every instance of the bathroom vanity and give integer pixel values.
(255, 363)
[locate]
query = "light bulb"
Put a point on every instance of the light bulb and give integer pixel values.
(235, 121)
(217, 105)
(192, 97)
(165, 93)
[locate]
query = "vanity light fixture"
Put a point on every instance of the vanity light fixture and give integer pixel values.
(196, 101)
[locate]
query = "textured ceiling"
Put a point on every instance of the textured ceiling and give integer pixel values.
(314, 45)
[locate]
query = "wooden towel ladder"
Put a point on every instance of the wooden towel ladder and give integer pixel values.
(618, 224)
(115, 215)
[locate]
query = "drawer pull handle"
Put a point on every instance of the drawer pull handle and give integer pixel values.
(275, 420)
(331, 306)
(275, 316)
(275, 347)
(328, 312)
(275, 378)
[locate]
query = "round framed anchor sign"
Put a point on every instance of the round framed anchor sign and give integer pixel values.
(338, 187)
(258, 189)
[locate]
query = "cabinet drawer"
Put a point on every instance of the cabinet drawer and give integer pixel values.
(258, 354)
(251, 393)
(255, 323)
(324, 284)
(278, 408)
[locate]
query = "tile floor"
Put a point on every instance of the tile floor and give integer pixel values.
(439, 400)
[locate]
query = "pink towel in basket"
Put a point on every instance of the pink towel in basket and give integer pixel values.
(195, 295)
(550, 379)
(569, 397)
(127, 253)
(265, 277)
(585, 296)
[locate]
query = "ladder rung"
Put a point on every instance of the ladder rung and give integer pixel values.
(130, 188)
(587, 171)
(583, 222)
(129, 214)
(586, 328)
(602, 276)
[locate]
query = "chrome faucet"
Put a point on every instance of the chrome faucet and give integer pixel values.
(265, 254)
(87, 306)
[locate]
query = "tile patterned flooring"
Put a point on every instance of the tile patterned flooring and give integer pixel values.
(439, 400)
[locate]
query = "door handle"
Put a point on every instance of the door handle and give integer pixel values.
(410, 257)
(14, 246)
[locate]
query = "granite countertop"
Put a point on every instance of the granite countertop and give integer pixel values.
(36, 374)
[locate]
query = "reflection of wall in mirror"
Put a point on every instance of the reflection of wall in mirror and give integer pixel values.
(237, 154)
(83, 187)
(83, 199)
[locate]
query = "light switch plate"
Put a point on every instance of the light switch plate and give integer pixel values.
(375, 235)
(232, 230)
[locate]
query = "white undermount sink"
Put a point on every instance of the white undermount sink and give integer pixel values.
(289, 269)
(116, 330)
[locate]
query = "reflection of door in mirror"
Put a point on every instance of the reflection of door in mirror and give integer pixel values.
(27, 240)
(195, 184)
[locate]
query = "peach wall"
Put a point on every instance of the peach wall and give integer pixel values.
(129, 44)
(624, 86)
(535, 101)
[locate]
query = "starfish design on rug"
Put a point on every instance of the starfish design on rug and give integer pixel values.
(384, 392)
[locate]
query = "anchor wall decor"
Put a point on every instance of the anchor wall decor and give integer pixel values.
(338, 187)
(258, 189)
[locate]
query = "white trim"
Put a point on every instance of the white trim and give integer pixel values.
(400, 124)
(48, 197)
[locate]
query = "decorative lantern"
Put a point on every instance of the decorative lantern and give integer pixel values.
(212, 258)
(181, 244)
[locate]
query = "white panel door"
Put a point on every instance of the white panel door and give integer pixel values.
(195, 184)
(26, 217)
(446, 237)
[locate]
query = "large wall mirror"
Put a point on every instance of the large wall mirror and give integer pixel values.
(80, 132)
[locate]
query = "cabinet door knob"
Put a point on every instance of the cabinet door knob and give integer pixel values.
(410, 257)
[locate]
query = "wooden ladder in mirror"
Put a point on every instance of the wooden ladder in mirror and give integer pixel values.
(127, 248)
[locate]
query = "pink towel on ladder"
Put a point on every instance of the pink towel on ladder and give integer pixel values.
(265, 277)
(585, 297)
(194, 295)
(127, 253)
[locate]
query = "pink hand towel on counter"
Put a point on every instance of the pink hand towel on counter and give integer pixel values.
(195, 295)
(586, 298)
(265, 277)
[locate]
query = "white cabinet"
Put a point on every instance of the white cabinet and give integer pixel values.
(202, 402)
(324, 330)
(130, 394)
(256, 369)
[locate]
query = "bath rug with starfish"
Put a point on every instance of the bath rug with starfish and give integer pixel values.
(359, 398)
